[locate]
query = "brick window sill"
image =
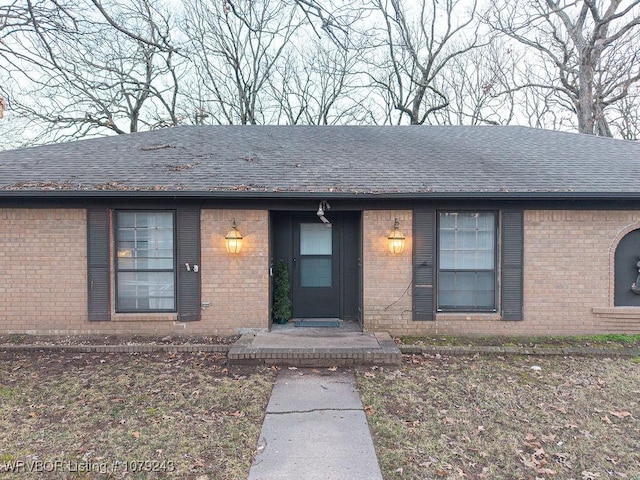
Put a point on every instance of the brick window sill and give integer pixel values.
(468, 317)
(618, 313)
(144, 317)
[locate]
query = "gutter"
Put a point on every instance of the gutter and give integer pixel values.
(286, 195)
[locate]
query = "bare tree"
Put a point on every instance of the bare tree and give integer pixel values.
(477, 85)
(72, 72)
(420, 39)
(586, 52)
(319, 84)
(625, 115)
(235, 52)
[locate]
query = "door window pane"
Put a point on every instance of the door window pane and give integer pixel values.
(315, 239)
(315, 272)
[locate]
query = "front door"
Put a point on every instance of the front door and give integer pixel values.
(315, 275)
(324, 263)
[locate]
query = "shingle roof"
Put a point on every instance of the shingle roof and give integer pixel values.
(336, 160)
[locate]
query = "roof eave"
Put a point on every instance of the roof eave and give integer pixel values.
(280, 195)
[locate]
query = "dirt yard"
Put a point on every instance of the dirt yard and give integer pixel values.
(512, 417)
(85, 416)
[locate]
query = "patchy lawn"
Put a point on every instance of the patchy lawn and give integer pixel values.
(24, 339)
(129, 415)
(490, 417)
(612, 340)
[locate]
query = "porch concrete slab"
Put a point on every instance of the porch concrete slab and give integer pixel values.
(315, 428)
(314, 347)
(315, 338)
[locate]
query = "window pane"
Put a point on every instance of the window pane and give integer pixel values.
(126, 219)
(447, 259)
(448, 220)
(146, 291)
(486, 239)
(466, 260)
(486, 222)
(467, 221)
(145, 261)
(447, 239)
(485, 290)
(459, 290)
(315, 239)
(315, 272)
(467, 239)
(485, 260)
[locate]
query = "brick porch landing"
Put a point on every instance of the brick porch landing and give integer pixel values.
(314, 347)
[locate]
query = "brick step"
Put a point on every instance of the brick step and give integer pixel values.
(246, 352)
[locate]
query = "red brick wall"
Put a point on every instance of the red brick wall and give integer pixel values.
(43, 270)
(568, 281)
(43, 267)
(568, 277)
(386, 276)
(237, 286)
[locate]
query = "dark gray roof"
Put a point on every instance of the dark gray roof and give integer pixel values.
(336, 160)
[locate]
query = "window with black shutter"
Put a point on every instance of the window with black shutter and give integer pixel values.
(156, 261)
(460, 266)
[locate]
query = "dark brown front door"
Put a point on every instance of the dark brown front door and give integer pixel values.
(316, 260)
(324, 263)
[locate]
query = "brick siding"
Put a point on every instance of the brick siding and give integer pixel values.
(568, 277)
(386, 276)
(569, 271)
(568, 281)
(236, 285)
(43, 270)
(43, 266)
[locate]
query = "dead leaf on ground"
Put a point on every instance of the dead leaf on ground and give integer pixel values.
(548, 438)
(622, 414)
(587, 475)
(546, 471)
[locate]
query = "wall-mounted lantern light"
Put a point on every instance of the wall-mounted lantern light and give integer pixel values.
(234, 239)
(396, 239)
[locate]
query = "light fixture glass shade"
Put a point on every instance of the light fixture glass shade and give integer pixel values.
(233, 239)
(396, 239)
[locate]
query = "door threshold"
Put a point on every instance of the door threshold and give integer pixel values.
(317, 325)
(318, 322)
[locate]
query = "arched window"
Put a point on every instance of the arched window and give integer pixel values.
(627, 271)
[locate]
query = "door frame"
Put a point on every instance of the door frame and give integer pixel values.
(281, 246)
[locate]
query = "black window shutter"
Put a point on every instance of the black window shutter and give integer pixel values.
(423, 263)
(188, 251)
(512, 261)
(99, 307)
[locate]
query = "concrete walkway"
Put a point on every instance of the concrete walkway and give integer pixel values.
(315, 428)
